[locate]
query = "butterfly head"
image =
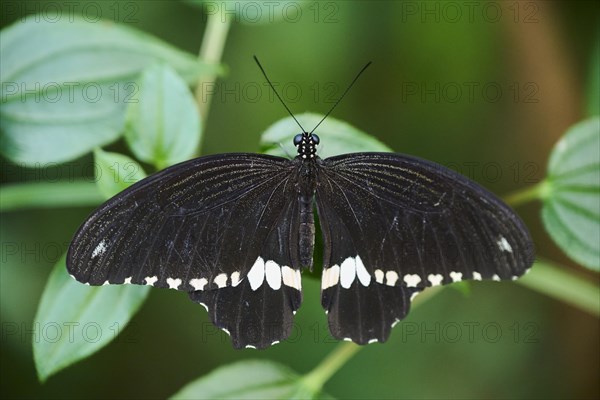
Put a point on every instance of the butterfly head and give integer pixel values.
(306, 143)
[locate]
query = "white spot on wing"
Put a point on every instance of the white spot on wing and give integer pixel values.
(235, 278)
(150, 280)
(99, 250)
(476, 276)
(373, 341)
(173, 283)
(395, 323)
(347, 272)
(256, 276)
(361, 272)
(198, 284)
(331, 277)
(249, 346)
(412, 296)
(106, 282)
(391, 277)
(435, 279)
(290, 278)
(221, 280)
(127, 281)
(456, 276)
(412, 280)
(495, 277)
(298, 280)
(205, 306)
(504, 245)
(273, 274)
(379, 276)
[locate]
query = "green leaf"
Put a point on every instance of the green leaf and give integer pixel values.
(250, 379)
(571, 195)
(66, 83)
(341, 137)
(163, 126)
(464, 287)
(55, 194)
(255, 12)
(115, 172)
(74, 321)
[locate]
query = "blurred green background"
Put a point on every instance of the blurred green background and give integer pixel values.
(483, 87)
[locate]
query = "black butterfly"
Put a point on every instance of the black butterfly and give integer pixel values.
(236, 230)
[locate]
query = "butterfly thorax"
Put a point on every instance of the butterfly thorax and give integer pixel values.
(306, 143)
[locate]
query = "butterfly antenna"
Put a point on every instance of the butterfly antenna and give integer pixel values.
(342, 96)
(277, 94)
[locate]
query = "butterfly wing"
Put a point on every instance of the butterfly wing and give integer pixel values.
(394, 225)
(213, 227)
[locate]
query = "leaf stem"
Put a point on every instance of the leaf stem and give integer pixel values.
(316, 378)
(560, 283)
(49, 195)
(211, 51)
(530, 193)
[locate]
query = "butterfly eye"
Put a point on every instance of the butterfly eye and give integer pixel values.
(315, 139)
(297, 139)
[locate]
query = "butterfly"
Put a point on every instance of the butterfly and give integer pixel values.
(235, 231)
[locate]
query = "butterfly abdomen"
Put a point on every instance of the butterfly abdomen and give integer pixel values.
(307, 230)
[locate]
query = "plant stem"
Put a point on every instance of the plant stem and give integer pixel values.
(560, 283)
(316, 378)
(211, 51)
(49, 195)
(530, 193)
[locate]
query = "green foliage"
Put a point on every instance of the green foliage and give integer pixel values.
(163, 126)
(65, 84)
(252, 379)
(557, 281)
(341, 137)
(97, 314)
(143, 95)
(49, 195)
(571, 193)
(115, 172)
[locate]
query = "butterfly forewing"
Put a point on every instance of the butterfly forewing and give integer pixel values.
(394, 225)
(215, 224)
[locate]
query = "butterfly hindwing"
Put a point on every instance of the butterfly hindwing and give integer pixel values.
(200, 226)
(260, 311)
(394, 225)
